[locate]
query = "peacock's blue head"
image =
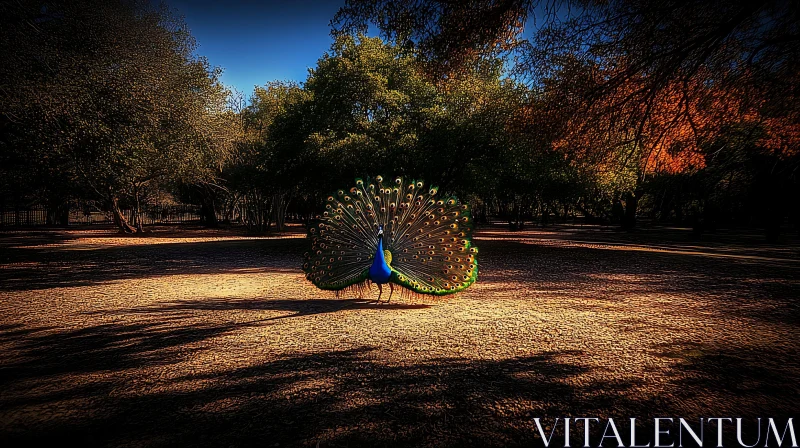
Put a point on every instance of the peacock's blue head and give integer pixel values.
(380, 230)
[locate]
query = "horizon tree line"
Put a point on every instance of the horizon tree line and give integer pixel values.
(612, 110)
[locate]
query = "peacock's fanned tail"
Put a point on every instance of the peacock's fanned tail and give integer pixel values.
(427, 240)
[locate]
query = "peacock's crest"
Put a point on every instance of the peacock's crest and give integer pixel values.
(398, 232)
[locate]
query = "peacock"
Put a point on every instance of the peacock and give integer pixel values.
(396, 232)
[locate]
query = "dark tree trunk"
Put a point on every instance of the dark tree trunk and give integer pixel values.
(209, 214)
(631, 204)
(57, 213)
(773, 225)
(138, 214)
(119, 218)
(280, 203)
(617, 211)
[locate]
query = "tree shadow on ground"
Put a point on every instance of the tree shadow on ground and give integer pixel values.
(733, 242)
(35, 266)
(94, 387)
(305, 307)
(748, 375)
(762, 290)
(39, 268)
(592, 279)
(337, 398)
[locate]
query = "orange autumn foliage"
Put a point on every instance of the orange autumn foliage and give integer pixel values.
(665, 130)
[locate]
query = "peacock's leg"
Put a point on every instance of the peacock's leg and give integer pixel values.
(391, 291)
(380, 291)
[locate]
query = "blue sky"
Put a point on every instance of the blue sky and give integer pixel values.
(260, 41)
(256, 42)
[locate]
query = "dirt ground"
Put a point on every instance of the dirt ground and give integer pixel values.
(193, 337)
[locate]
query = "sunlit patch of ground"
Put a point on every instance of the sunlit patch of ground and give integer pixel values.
(212, 338)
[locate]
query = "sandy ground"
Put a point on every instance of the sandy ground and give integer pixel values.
(212, 338)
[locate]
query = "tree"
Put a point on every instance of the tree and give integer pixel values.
(449, 36)
(659, 80)
(369, 108)
(113, 88)
(270, 161)
(370, 102)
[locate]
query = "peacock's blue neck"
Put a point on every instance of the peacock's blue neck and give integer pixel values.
(379, 272)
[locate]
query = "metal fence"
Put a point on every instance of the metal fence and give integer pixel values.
(37, 216)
